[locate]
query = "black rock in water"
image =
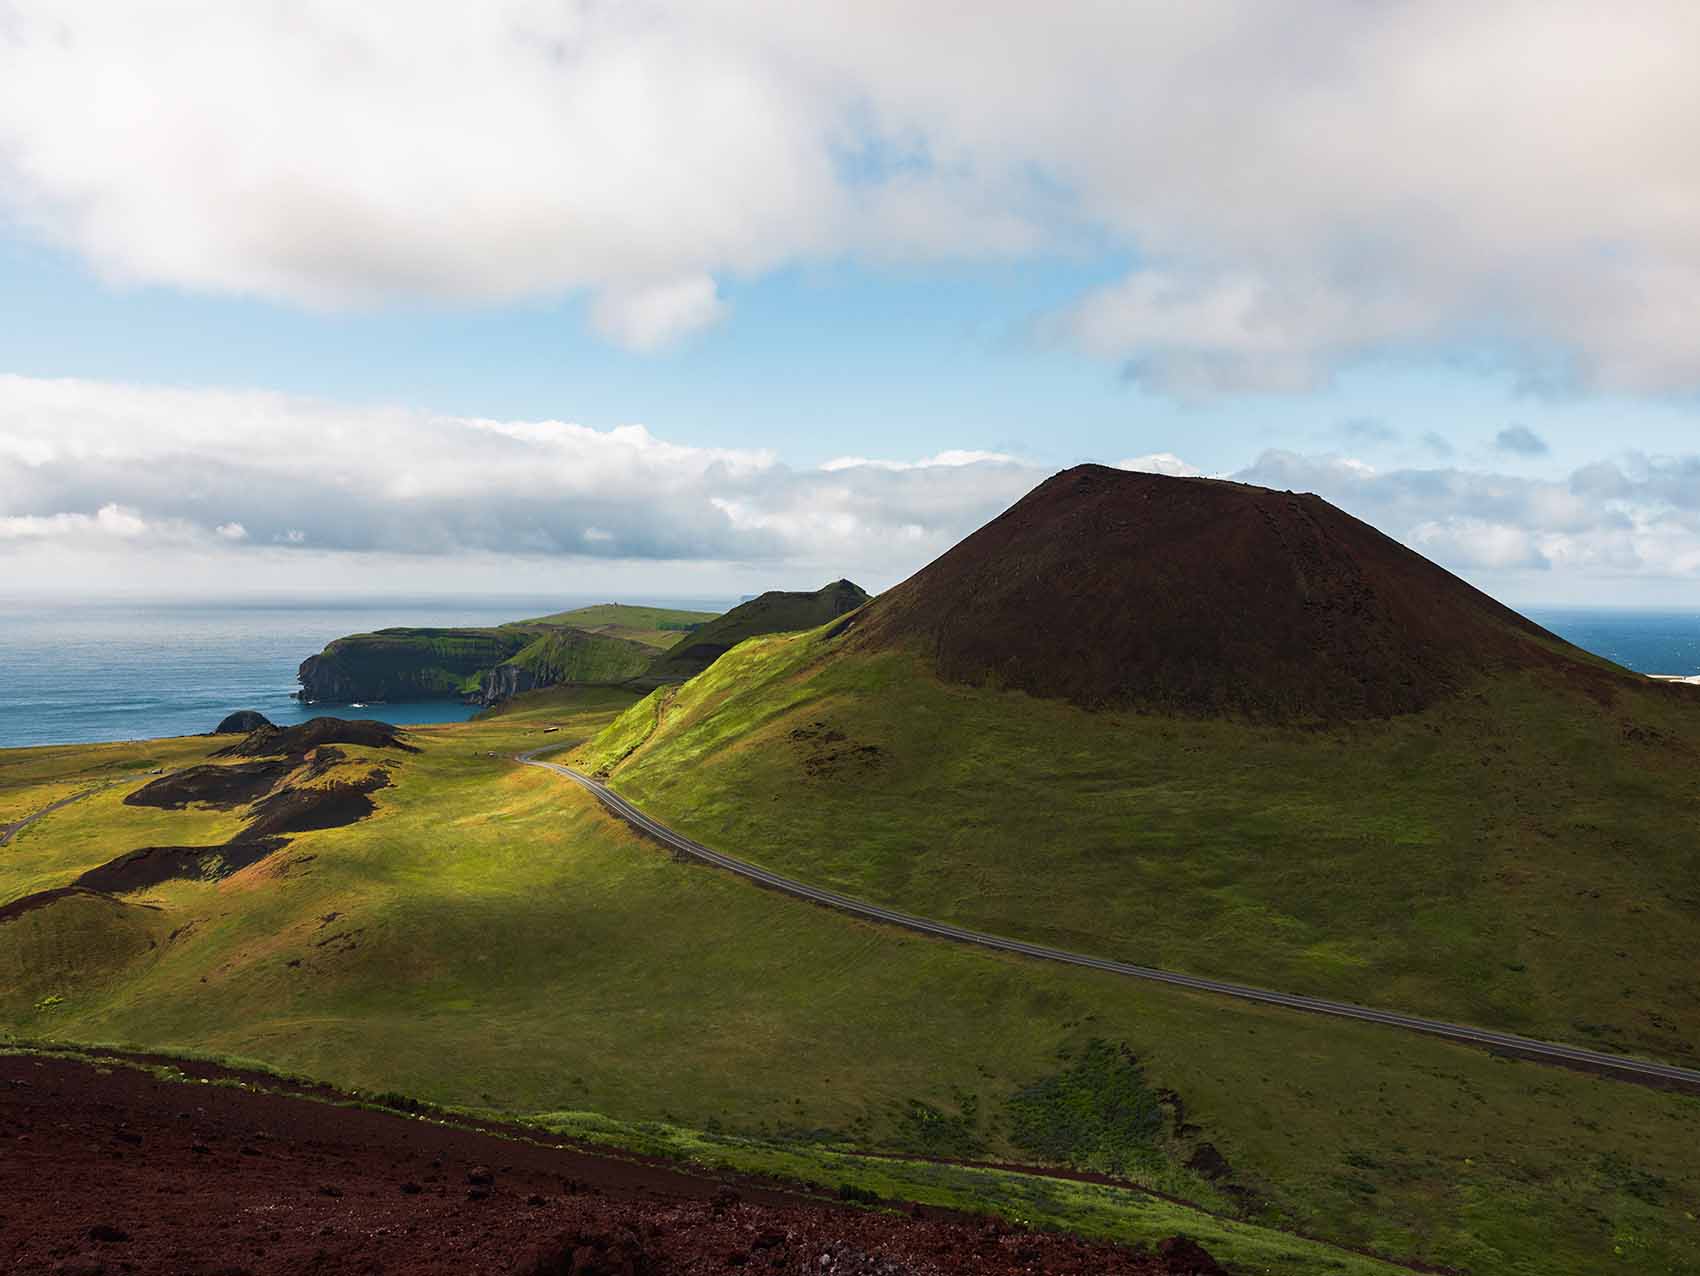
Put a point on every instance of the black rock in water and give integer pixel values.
(242, 722)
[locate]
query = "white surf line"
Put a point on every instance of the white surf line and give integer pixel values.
(1623, 1066)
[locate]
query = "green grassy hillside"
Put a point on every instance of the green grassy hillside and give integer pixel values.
(776, 611)
(657, 627)
(488, 938)
(614, 641)
(559, 656)
(632, 616)
(1518, 856)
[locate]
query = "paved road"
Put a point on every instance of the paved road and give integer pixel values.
(1619, 1066)
(9, 831)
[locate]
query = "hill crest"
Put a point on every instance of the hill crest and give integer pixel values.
(776, 611)
(1203, 597)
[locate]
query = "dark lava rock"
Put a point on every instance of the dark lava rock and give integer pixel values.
(298, 741)
(242, 722)
(589, 1254)
(107, 1233)
(1183, 1256)
(220, 787)
(151, 865)
(1206, 1160)
(480, 1176)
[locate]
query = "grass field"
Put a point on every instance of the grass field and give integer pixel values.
(490, 939)
(657, 627)
(1520, 858)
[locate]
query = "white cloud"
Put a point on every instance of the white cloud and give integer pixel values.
(650, 317)
(1475, 543)
(951, 457)
(1607, 523)
(109, 521)
(1301, 184)
(245, 476)
(217, 490)
(1160, 463)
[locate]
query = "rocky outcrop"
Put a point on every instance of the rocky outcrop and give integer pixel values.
(504, 682)
(408, 664)
(242, 722)
(324, 681)
(315, 733)
(563, 656)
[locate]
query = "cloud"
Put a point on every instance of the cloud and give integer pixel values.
(650, 317)
(1604, 523)
(110, 521)
(1521, 441)
(1299, 185)
(237, 475)
(951, 457)
(1436, 443)
(211, 491)
(1472, 542)
(1160, 463)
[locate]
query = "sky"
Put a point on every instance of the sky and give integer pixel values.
(693, 300)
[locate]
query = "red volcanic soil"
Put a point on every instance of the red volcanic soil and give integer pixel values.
(115, 1171)
(1201, 597)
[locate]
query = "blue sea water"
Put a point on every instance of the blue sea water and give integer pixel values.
(126, 671)
(1645, 641)
(87, 672)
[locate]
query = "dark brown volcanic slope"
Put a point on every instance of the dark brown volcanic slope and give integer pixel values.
(1202, 597)
(111, 1170)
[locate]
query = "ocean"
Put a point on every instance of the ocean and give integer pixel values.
(125, 671)
(1645, 641)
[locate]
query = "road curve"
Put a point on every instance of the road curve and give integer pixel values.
(1622, 1067)
(9, 831)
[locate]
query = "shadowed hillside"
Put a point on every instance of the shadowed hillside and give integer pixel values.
(1199, 597)
(776, 611)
